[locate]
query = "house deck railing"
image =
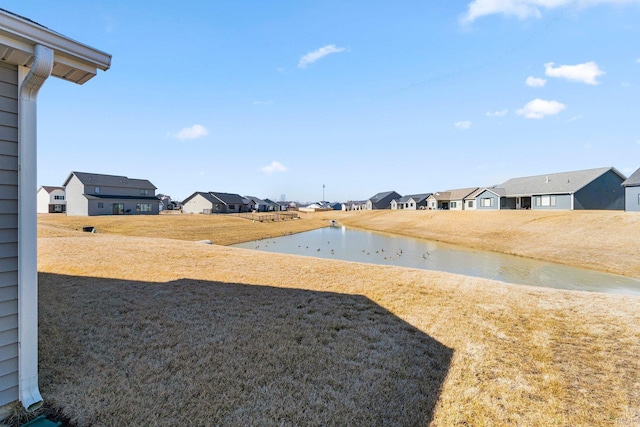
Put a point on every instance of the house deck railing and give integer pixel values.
(267, 216)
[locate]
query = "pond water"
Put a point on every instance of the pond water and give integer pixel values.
(376, 248)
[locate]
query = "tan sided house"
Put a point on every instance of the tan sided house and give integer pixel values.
(29, 54)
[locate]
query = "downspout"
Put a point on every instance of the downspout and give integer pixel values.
(29, 83)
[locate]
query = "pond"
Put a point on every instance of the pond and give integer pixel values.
(376, 248)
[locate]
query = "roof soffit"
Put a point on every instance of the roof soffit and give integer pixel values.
(73, 61)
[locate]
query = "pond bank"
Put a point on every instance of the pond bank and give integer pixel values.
(599, 240)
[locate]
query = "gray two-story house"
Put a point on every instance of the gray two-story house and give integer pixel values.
(90, 194)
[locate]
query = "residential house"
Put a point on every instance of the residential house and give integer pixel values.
(598, 188)
(450, 199)
(470, 203)
(214, 203)
(51, 200)
(432, 201)
(256, 204)
(275, 206)
(316, 207)
(489, 198)
(165, 202)
(411, 202)
(355, 205)
(31, 54)
(632, 192)
(382, 200)
(91, 194)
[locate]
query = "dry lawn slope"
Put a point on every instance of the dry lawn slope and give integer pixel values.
(219, 229)
(150, 331)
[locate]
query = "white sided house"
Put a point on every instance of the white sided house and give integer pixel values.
(51, 200)
(29, 55)
(91, 194)
(632, 192)
(410, 202)
(214, 203)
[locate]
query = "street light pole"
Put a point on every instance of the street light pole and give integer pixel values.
(323, 192)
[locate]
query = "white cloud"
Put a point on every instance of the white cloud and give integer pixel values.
(465, 125)
(535, 81)
(312, 57)
(274, 167)
(525, 8)
(500, 113)
(584, 73)
(539, 108)
(193, 132)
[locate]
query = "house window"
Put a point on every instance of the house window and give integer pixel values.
(100, 205)
(453, 205)
(143, 207)
(232, 207)
(486, 202)
(144, 192)
(58, 197)
(470, 203)
(546, 201)
(96, 190)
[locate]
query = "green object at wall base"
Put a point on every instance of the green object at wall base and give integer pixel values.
(41, 421)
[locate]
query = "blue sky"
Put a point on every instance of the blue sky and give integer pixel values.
(278, 98)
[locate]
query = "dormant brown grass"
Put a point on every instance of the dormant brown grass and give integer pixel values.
(153, 331)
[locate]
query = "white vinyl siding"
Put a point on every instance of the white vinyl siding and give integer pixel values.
(8, 234)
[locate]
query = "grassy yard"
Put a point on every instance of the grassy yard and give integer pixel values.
(139, 330)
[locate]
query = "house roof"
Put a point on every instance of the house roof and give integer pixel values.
(555, 183)
(498, 191)
(207, 196)
(50, 189)
(381, 196)
(72, 61)
(110, 181)
(228, 198)
(416, 198)
(442, 195)
(475, 193)
(457, 194)
(633, 180)
(255, 200)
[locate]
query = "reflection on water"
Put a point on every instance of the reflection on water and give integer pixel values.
(375, 248)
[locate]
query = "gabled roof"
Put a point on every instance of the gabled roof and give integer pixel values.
(227, 198)
(498, 191)
(555, 183)
(72, 61)
(416, 198)
(255, 200)
(110, 181)
(50, 189)
(441, 195)
(633, 180)
(381, 196)
(457, 194)
(206, 195)
(475, 193)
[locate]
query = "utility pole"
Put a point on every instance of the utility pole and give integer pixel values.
(323, 192)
